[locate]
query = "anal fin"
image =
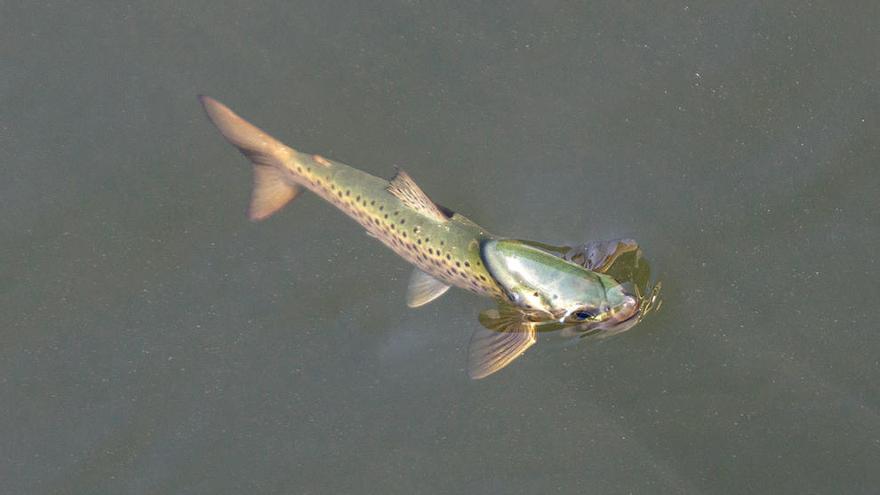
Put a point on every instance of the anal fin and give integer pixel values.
(423, 289)
(271, 192)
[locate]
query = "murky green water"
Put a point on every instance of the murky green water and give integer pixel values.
(155, 341)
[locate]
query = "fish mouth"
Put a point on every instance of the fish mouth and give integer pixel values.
(638, 305)
(626, 310)
(631, 312)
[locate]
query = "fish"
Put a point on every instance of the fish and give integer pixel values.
(532, 286)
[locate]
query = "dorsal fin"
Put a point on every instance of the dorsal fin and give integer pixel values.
(405, 189)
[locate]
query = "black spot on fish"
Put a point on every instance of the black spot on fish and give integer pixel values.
(372, 202)
(448, 256)
(381, 207)
(402, 220)
(419, 241)
(430, 251)
(458, 264)
(348, 193)
(466, 263)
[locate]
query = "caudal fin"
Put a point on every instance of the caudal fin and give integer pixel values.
(268, 155)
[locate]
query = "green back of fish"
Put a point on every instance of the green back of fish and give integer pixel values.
(446, 248)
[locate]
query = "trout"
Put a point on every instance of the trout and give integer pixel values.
(532, 286)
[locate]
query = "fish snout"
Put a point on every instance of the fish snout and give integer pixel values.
(625, 310)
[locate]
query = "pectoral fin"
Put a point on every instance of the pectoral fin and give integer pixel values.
(506, 336)
(423, 289)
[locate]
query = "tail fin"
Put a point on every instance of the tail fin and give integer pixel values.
(268, 155)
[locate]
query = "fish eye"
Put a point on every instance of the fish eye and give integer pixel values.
(583, 315)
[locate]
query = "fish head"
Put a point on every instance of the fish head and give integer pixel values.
(553, 289)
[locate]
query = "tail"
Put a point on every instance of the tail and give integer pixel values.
(272, 190)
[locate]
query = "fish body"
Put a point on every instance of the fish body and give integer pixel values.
(531, 286)
(440, 243)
